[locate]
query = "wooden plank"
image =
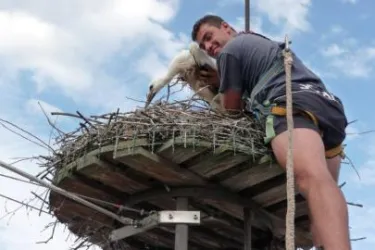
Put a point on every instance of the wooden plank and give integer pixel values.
(272, 196)
(217, 163)
(205, 240)
(66, 210)
(74, 185)
(129, 146)
(276, 224)
(301, 210)
(63, 207)
(236, 211)
(167, 167)
(252, 176)
(109, 175)
(158, 167)
(179, 151)
(155, 239)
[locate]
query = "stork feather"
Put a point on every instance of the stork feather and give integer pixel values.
(184, 64)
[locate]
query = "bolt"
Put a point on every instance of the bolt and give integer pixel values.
(170, 216)
(195, 217)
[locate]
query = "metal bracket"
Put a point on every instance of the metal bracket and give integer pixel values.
(152, 221)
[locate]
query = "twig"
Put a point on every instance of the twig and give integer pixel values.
(49, 120)
(19, 202)
(51, 236)
(358, 239)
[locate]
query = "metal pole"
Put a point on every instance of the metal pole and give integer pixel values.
(247, 217)
(247, 15)
(182, 230)
(66, 193)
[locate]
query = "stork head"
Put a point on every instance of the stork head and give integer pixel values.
(196, 52)
(201, 56)
(154, 88)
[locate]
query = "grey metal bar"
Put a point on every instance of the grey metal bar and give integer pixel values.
(182, 230)
(145, 224)
(66, 193)
(247, 216)
(154, 220)
(247, 15)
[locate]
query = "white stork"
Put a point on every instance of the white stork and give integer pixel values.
(184, 64)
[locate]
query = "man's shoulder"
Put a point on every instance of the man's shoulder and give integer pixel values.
(247, 42)
(233, 47)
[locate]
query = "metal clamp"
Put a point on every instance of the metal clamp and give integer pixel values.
(152, 221)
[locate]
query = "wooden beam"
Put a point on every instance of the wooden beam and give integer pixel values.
(178, 150)
(252, 176)
(214, 164)
(158, 167)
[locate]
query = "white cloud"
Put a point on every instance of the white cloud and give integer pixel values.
(83, 52)
(336, 29)
(350, 1)
(68, 44)
(288, 17)
(35, 107)
(333, 50)
(292, 14)
(350, 59)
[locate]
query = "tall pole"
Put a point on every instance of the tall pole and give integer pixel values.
(247, 15)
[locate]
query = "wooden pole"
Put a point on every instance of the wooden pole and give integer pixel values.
(247, 15)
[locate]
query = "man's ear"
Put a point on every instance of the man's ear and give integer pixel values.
(225, 24)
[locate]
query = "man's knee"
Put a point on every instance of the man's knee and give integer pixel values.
(310, 164)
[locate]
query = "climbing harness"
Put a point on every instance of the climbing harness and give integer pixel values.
(265, 111)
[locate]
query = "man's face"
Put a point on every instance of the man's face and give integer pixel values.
(212, 39)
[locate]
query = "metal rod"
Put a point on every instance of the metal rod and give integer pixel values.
(182, 230)
(66, 193)
(247, 15)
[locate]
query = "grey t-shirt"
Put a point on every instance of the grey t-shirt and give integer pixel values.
(247, 56)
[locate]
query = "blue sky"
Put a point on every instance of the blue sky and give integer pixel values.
(89, 55)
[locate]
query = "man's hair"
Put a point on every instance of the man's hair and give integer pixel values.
(207, 19)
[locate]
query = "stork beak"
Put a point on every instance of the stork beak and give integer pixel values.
(150, 96)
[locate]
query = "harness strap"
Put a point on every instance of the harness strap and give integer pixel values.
(252, 103)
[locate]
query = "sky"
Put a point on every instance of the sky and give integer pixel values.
(96, 56)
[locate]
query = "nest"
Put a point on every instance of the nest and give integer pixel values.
(183, 120)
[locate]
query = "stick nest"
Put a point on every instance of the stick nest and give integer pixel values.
(161, 122)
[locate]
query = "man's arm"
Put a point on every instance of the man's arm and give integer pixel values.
(230, 81)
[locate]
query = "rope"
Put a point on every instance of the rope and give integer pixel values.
(289, 234)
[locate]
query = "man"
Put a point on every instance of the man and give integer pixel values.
(319, 127)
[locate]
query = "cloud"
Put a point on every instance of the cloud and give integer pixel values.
(88, 55)
(337, 29)
(69, 45)
(292, 14)
(350, 58)
(35, 106)
(350, 1)
(333, 50)
(287, 17)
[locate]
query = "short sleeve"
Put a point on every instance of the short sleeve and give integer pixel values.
(229, 69)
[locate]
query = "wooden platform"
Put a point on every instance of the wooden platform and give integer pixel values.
(221, 185)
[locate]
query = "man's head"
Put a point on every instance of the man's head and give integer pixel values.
(212, 33)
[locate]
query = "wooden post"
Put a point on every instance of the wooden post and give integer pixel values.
(247, 217)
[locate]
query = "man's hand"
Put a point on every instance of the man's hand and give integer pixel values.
(208, 75)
